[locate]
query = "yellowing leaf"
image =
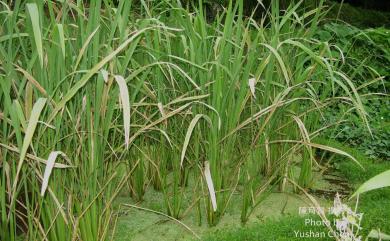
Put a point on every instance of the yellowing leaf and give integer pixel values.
(161, 109)
(50, 163)
(104, 74)
(210, 185)
(252, 83)
(124, 94)
(189, 133)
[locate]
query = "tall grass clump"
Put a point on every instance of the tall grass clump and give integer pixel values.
(101, 96)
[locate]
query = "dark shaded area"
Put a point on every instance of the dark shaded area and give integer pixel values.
(360, 13)
(358, 16)
(380, 5)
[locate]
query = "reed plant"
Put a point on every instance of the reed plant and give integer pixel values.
(152, 87)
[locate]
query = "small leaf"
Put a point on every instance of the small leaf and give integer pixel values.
(161, 109)
(252, 83)
(105, 75)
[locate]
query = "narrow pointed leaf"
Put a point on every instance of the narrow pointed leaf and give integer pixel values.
(34, 17)
(61, 36)
(210, 185)
(379, 181)
(32, 124)
(189, 133)
(124, 95)
(50, 164)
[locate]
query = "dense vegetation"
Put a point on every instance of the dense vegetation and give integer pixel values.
(102, 98)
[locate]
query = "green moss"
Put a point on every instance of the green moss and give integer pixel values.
(134, 224)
